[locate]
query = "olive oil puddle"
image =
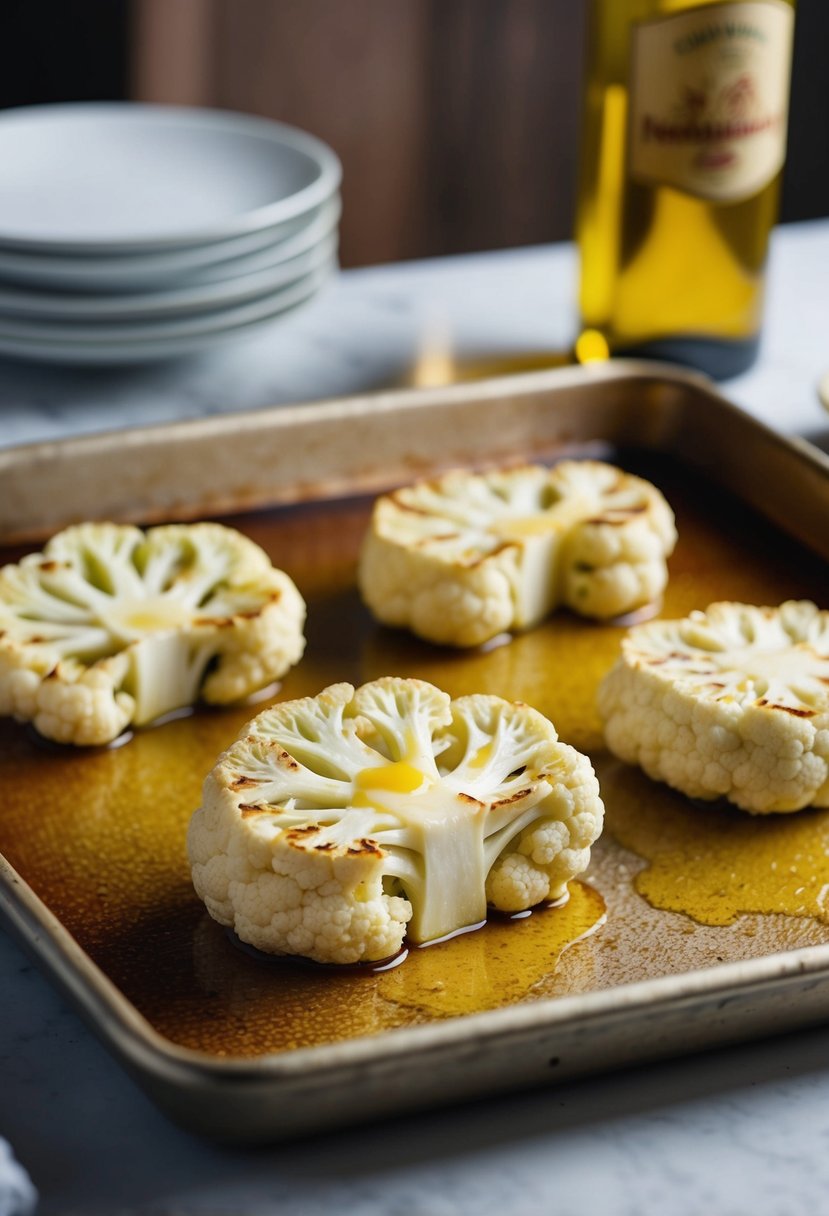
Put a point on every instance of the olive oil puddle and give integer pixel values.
(377, 966)
(714, 862)
(500, 963)
(280, 1006)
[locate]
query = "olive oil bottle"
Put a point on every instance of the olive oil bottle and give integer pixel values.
(683, 145)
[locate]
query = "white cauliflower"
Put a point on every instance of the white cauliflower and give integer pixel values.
(732, 702)
(337, 824)
(466, 556)
(111, 626)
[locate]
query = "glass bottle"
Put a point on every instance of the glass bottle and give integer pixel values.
(682, 150)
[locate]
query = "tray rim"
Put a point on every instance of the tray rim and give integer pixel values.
(26, 914)
(115, 454)
(158, 1061)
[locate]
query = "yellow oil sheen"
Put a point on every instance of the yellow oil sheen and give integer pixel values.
(398, 778)
(715, 863)
(481, 757)
(523, 527)
(553, 520)
(151, 616)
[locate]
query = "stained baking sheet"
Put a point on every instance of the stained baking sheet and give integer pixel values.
(693, 925)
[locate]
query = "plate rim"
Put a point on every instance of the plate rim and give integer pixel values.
(110, 273)
(160, 304)
(247, 223)
(214, 321)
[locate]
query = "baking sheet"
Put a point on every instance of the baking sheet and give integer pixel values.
(697, 918)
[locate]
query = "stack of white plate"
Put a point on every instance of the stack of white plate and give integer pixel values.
(133, 232)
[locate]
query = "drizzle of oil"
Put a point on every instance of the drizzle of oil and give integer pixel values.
(482, 756)
(265, 1006)
(526, 527)
(713, 862)
(399, 777)
(497, 965)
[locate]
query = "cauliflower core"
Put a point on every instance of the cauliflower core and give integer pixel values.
(732, 702)
(464, 557)
(337, 824)
(110, 625)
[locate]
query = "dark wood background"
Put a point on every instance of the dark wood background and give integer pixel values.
(456, 120)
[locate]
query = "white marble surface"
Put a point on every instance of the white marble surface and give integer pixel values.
(731, 1133)
(366, 329)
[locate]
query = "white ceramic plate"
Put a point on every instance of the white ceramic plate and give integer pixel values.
(172, 341)
(314, 228)
(121, 177)
(142, 272)
(306, 255)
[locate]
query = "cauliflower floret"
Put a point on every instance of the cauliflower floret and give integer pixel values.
(467, 556)
(732, 702)
(337, 824)
(110, 626)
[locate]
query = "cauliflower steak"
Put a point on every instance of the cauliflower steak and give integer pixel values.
(111, 626)
(337, 824)
(466, 556)
(732, 702)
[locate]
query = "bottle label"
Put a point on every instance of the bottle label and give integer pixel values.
(709, 90)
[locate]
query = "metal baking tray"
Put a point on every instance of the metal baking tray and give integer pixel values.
(715, 929)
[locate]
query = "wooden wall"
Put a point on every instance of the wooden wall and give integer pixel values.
(456, 120)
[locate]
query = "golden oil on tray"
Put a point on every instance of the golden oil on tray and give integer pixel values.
(674, 886)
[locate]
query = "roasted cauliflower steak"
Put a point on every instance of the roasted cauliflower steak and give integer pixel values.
(466, 556)
(110, 626)
(728, 703)
(338, 824)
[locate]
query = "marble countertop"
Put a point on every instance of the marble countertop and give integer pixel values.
(368, 329)
(732, 1132)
